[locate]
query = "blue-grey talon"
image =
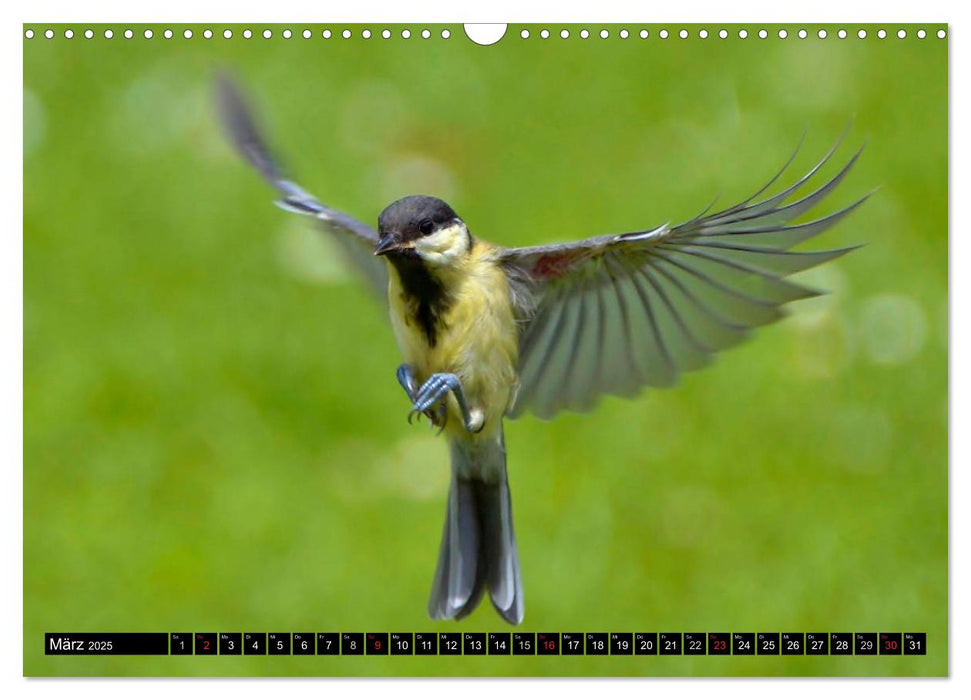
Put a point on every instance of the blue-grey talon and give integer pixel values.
(406, 378)
(436, 389)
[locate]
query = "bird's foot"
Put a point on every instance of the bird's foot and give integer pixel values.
(406, 378)
(434, 390)
(437, 389)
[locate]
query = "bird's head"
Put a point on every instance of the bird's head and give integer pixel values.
(422, 228)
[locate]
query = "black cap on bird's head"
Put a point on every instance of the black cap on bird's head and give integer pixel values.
(411, 218)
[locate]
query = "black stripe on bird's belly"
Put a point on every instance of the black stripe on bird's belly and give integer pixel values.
(425, 295)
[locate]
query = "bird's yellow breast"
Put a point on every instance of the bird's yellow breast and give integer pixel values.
(475, 335)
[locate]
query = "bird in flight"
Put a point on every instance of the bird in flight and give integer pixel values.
(488, 333)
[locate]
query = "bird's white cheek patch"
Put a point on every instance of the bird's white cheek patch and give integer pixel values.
(445, 246)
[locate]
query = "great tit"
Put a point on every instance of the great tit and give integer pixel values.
(488, 332)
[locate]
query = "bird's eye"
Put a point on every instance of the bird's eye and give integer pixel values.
(426, 227)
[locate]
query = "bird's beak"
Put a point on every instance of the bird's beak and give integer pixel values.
(386, 244)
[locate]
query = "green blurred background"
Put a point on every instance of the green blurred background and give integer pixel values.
(214, 439)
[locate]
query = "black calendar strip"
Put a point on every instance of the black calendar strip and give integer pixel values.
(101, 644)
(487, 644)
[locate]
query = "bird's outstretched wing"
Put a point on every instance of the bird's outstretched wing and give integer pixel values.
(615, 313)
(356, 238)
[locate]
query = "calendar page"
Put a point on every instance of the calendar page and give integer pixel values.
(518, 350)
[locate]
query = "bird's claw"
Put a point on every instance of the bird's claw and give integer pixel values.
(440, 419)
(406, 378)
(434, 390)
(431, 392)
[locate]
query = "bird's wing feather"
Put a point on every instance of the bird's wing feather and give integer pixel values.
(615, 313)
(356, 238)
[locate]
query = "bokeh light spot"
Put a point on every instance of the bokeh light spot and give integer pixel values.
(823, 349)
(418, 173)
(35, 122)
(893, 329)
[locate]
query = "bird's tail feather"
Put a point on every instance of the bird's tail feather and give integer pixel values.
(478, 541)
